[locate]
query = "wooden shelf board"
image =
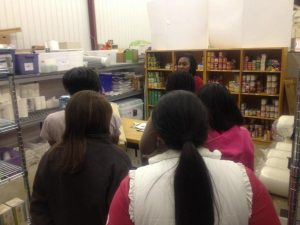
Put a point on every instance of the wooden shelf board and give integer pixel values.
(159, 51)
(260, 94)
(258, 71)
(258, 117)
(224, 71)
(261, 140)
(234, 93)
(160, 70)
(199, 70)
(157, 88)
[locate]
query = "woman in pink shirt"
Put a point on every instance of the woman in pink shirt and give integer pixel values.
(226, 133)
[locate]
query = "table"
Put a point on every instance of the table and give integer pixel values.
(132, 135)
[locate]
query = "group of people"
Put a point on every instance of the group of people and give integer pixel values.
(200, 160)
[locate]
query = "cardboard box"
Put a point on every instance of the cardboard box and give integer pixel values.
(69, 45)
(121, 56)
(6, 215)
(5, 34)
(19, 211)
(4, 39)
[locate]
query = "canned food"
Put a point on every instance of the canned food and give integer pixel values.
(269, 78)
(263, 101)
(272, 108)
(274, 84)
(274, 77)
(253, 78)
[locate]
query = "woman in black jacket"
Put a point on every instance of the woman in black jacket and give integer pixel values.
(77, 178)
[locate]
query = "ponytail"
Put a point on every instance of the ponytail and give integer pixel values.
(181, 121)
(194, 198)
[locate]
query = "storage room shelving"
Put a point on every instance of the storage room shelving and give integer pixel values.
(50, 85)
(10, 171)
(263, 68)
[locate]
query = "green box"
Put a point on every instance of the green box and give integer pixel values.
(131, 56)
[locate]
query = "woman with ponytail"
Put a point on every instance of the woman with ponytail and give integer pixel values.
(185, 184)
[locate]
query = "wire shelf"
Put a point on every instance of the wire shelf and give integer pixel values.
(37, 117)
(8, 128)
(9, 172)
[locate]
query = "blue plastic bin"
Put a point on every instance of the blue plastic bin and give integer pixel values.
(14, 156)
(27, 64)
(106, 82)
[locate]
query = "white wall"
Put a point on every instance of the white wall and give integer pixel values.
(43, 20)
(123, 21)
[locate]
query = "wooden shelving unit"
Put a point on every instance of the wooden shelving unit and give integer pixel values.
(262, 68)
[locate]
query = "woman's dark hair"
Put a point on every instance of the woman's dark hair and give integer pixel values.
(180, 119)
(180, 81)
(221, 106)
(193, 66)
(87, 112)
(81, 78)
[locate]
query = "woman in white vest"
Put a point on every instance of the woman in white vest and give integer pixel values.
(185, 184)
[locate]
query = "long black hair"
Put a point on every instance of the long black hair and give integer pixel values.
(180, 81)
(221, 106)
(180, 119)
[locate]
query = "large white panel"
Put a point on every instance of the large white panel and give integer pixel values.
(177, 24)
(122, 21)
(272, 24)
(43, 20)
(250, 23)
(225, 23)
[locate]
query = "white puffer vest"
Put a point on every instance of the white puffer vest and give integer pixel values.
(151, 191)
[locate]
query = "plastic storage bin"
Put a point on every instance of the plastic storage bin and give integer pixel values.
(106, 82)
(131, 108)
(11, 156)
(4, 53)
(27, 64)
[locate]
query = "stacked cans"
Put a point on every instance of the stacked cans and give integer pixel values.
(270, 110)
(156, 80)
(152, 62)
(260, 129)
(266, 110)
(251, 84)
(219, 62)
(272, 84)
(258, 64)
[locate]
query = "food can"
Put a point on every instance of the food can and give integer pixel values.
(263, 101)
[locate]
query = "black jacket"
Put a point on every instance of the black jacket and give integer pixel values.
(82, 198)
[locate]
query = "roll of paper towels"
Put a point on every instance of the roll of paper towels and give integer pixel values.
(284, 146)
(276, 180)
(274, 153)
